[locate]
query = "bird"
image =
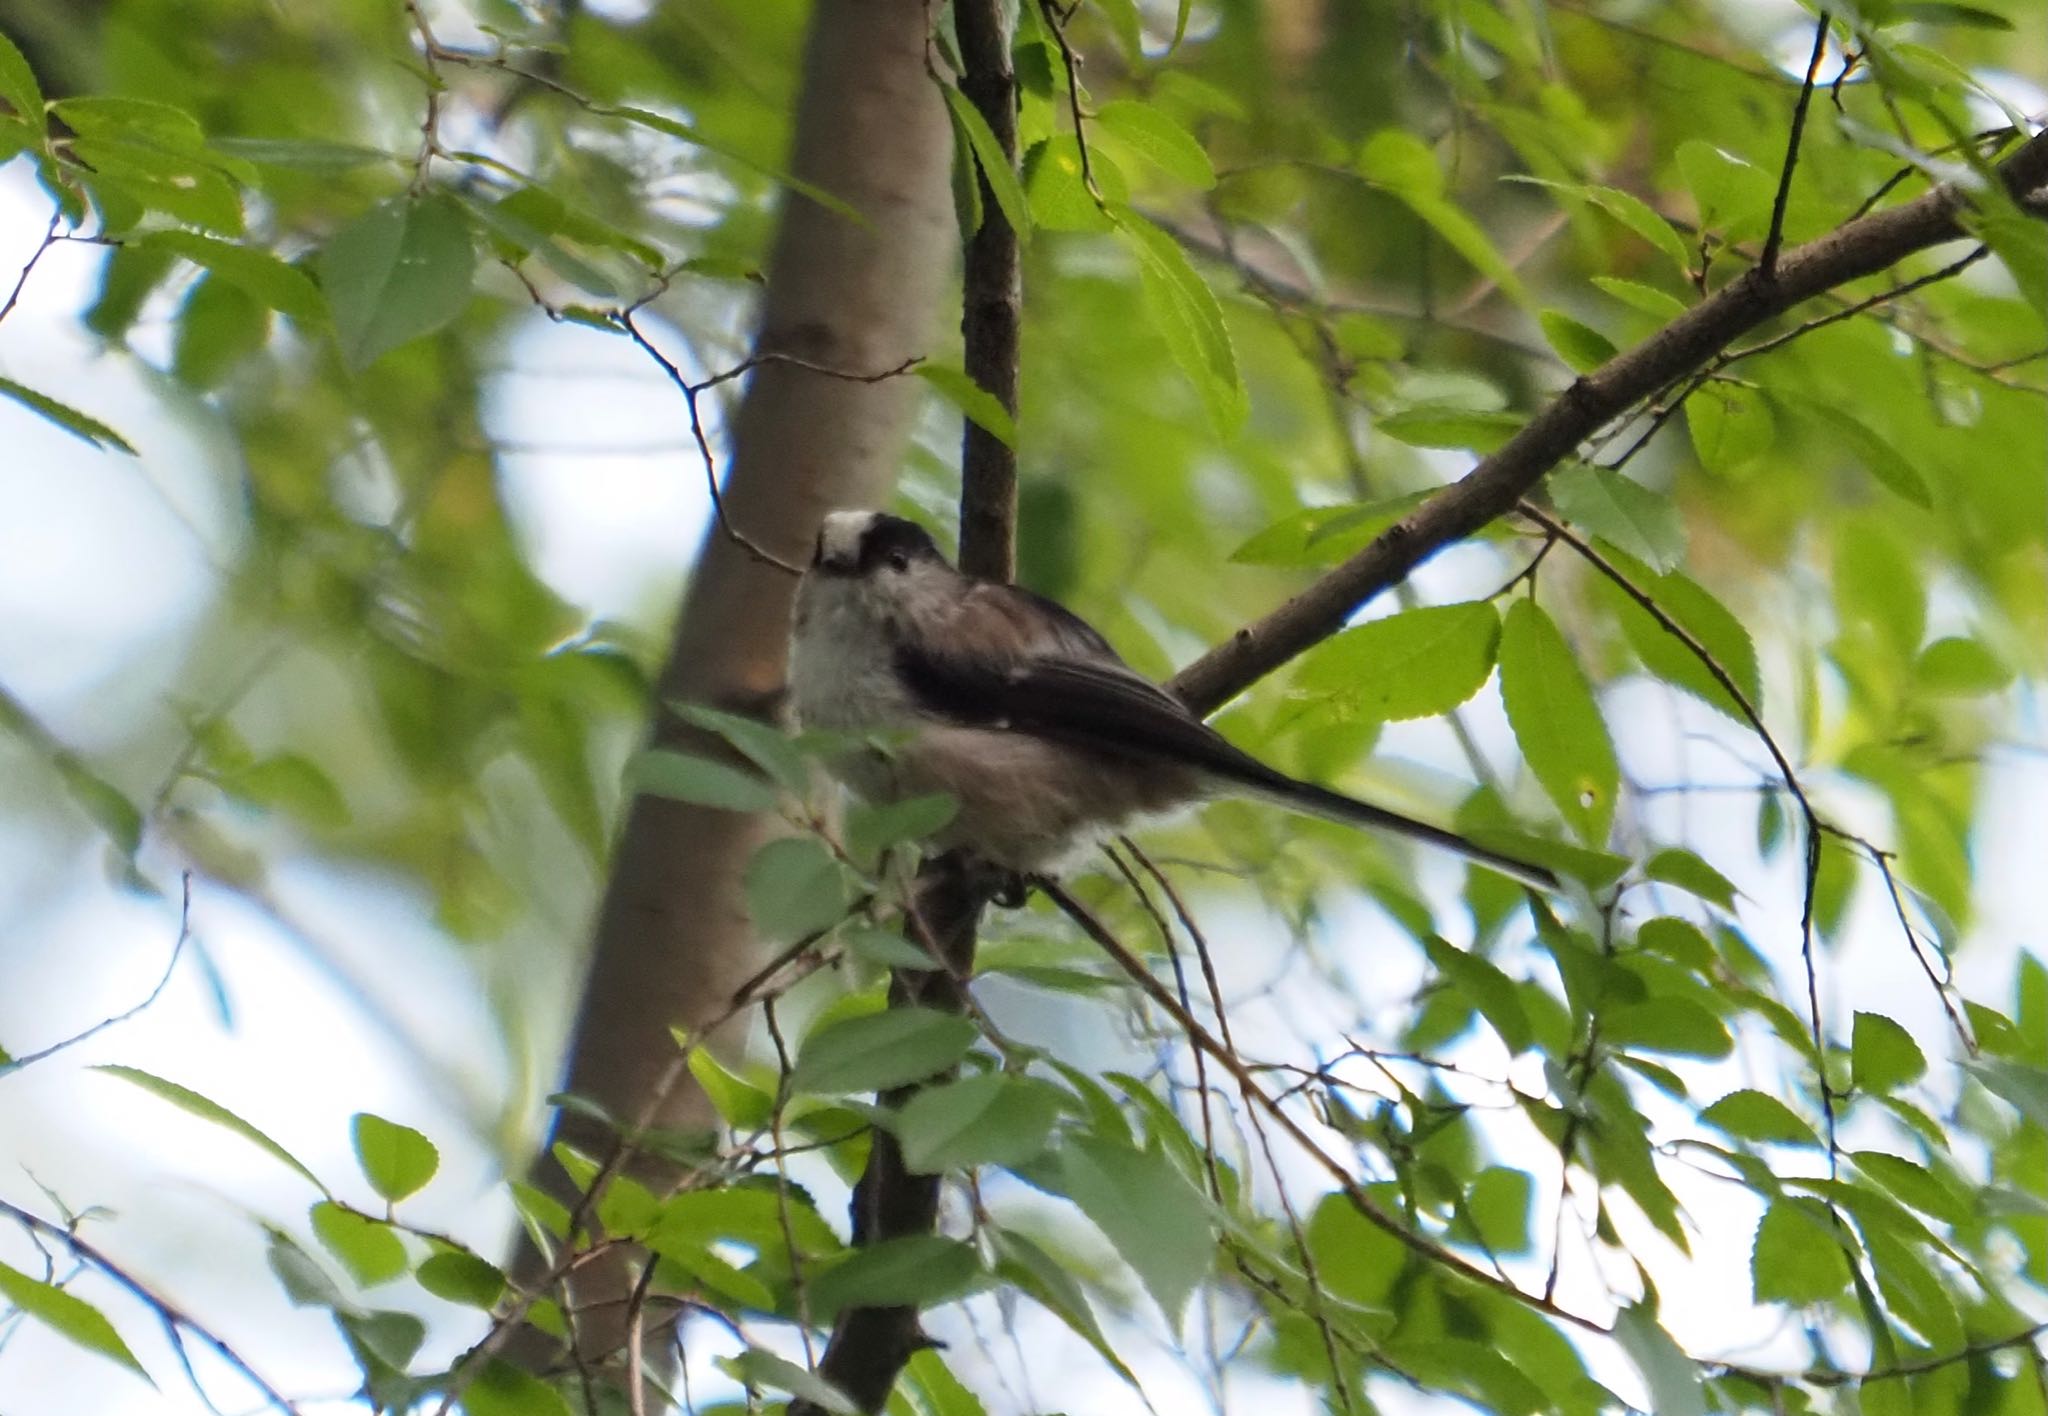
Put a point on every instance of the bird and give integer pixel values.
(1018, 709)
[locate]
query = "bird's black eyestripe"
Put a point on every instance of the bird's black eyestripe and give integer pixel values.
(892, 535)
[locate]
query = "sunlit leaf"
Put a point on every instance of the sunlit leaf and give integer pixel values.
(193, 1104)
(400, 271)
(66, 417)
(882, 1050)
(396, 1160)
(1556, 720)
(1412, 664)
(68, 1315)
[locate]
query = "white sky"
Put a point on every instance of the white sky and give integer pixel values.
(107, 564)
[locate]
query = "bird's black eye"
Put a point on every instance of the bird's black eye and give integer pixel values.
(898, 561)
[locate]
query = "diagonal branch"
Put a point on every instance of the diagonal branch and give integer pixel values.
(1856, 249)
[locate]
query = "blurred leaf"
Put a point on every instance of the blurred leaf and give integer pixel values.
(66, 417)
(501, 1389)
(67, 1314)
(1152, 135)
(738, 1102)
(193, 1104)
(920, 1271)
(1960, 667)
(370, 1252)
(1796, 1259)
(766, 745)
(256, 273)
(1631, 211)
(1732, 427)
(1447, 427)
(1582, 347)
(1883, 1055)
(1756, 1116)
(1489, 990)
(995, 164)
(982, 408)
(882, 1050)
(1148, 1211)
(992, 1119)
(1620, 511)
(1680, 1026)
(461, 1277)
(1188, 317)
(301, 154)
(1020, 1261)
(19, 87)
(1879, 458)
(397, 1160)
(758, 1367)
(1673, 1378)
(400, 271)
(795, 888)
(218, 327)
(2023, 1086)
(1688, 872)
(700, 781)
(1412, 664)
(1556, 720)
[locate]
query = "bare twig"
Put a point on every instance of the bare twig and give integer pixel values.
(21, 281)
(1768, 261)
(15, 1064)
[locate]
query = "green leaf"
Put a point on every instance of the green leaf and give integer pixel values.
(1946, 12)
(1189, 318)
(1962, 668)
(738, 1102)
(1492, 992)
(993, 1119)
(1730, 191)
(1912, 1290)
(69, 1316)
(1732, 427)
(1710, 623)
(1847, 434)
(300, 154)
(1498, 1203)
(872, 828)
(1688, 872)
(1621, 511)
(256, 273)
(1413, 664)
(1672, 1377)
(942, 1392)
(919, 1271)
(676, 129)
(1681, 1026)
(1648, 299)
(367, 1248)
(66, 417)
(1915, 1184)
(1047, 1282)
(396, 1160)
(1556, 720)
(1757, 1116)
(758, 1367)
(400, 271)
(1156, 1221)
(982, 408)
(1582, 347)
(766, 745)
(2026, 1088)
(461, 1277)
(218, 326)
(501, 1389)
(1882, 1055)
(760, 1217)
(19, 87)
(1152, 135)
(795, 888)
(1444, 426)
(886, 948)
(699, 781)
(192, 1103)
(1796, 1258)
(1631, 211)
(882, 1050)
(997, 168)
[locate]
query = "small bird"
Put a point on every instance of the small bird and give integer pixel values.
(1014, 706)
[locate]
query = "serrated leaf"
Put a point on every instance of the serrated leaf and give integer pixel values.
(69, 1316)
(917, 1271)
(1557, 721)
(1882, 1055)
(1582, 347)
(1474, 430)
(1757, 1116)
(193, 1104)
(1732, 427)
(738, 1102)
(993, 1119)
(461, 1277)
(370, 1252)
(1189, 318)
(766, 745)
(1412, 664)
(396, 1160)
(1154, 136)
(981, 407)
(72, 421)
(795, 888)
(1688, 872)
(1683, 1027)
(1710, 623)
(1621, 511)
(699, 781)
(997, 168)
(1151, 1215)
(19, 87)
(400, 271)
(256, 273)
(882, 1050)
(1796, 1258)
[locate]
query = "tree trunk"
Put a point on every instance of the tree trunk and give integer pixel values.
(672, 939)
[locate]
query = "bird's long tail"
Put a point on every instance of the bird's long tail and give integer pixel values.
(1312, 800)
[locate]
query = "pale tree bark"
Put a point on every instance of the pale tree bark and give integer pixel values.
(672, 939)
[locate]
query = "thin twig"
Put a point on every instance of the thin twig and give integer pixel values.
(1768, 262)
(170, 967)
(21, 281)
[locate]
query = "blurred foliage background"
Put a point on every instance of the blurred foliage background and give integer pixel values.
(344, 530)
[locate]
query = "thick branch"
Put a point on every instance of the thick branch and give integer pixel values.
(1859, 248)
(991, 305)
